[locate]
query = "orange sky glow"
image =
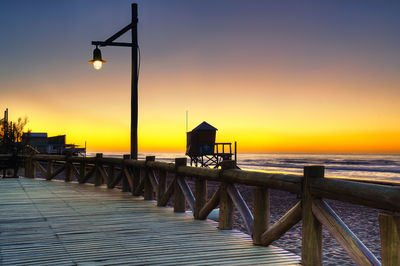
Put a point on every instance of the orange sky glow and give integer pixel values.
(260, 90)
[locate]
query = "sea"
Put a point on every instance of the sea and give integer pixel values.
(383, 168)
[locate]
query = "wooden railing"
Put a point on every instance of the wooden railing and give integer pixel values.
(149, 178)
(9, 162)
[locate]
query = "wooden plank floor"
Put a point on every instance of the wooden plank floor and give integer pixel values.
(56, 223)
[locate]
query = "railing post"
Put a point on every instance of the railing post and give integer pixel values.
(200, 195)
(225, 220)
(136, 178)
(68, 169)
(262, 213)
(110, 175)
(82, 170)
(311, 249)
(98, 179)
(148, 188)
(179, 198)
(162, 185)
(125, 184)
(50, 165)
(32, 169)
(389, 225)
(28, 163)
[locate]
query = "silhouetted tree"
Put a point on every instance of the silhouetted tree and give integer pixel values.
(11, 141)
(11, 135)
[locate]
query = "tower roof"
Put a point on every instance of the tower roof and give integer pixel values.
(204, 126)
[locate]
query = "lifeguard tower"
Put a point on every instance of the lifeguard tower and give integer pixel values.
(204, 151)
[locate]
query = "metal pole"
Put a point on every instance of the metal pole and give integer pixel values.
(134, 84)
(235, 151)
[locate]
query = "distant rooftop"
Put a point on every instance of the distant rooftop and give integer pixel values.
(36, 135)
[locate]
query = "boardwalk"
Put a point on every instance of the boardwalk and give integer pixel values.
(44, 223)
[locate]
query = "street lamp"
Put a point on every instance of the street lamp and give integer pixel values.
(98, 62)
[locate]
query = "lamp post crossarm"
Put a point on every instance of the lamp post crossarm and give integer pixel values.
(110, 41)
(119, 33)
(103, 44)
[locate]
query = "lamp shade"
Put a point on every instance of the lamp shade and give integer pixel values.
(97, 60)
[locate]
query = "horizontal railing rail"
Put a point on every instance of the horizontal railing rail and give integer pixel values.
(163, 181)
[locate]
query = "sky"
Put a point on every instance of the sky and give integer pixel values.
(275, 76)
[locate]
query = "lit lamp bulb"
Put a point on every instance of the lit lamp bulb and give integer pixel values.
(97, 64)
(97, 61)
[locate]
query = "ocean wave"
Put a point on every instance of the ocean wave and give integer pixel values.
(340, 162)
(327, 167)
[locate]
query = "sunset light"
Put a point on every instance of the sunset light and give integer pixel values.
(308, 82)
(235, 132)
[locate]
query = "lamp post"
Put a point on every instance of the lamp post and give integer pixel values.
(98, 62)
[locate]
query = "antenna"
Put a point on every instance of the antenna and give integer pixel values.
(187, 120)
(5, 121)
